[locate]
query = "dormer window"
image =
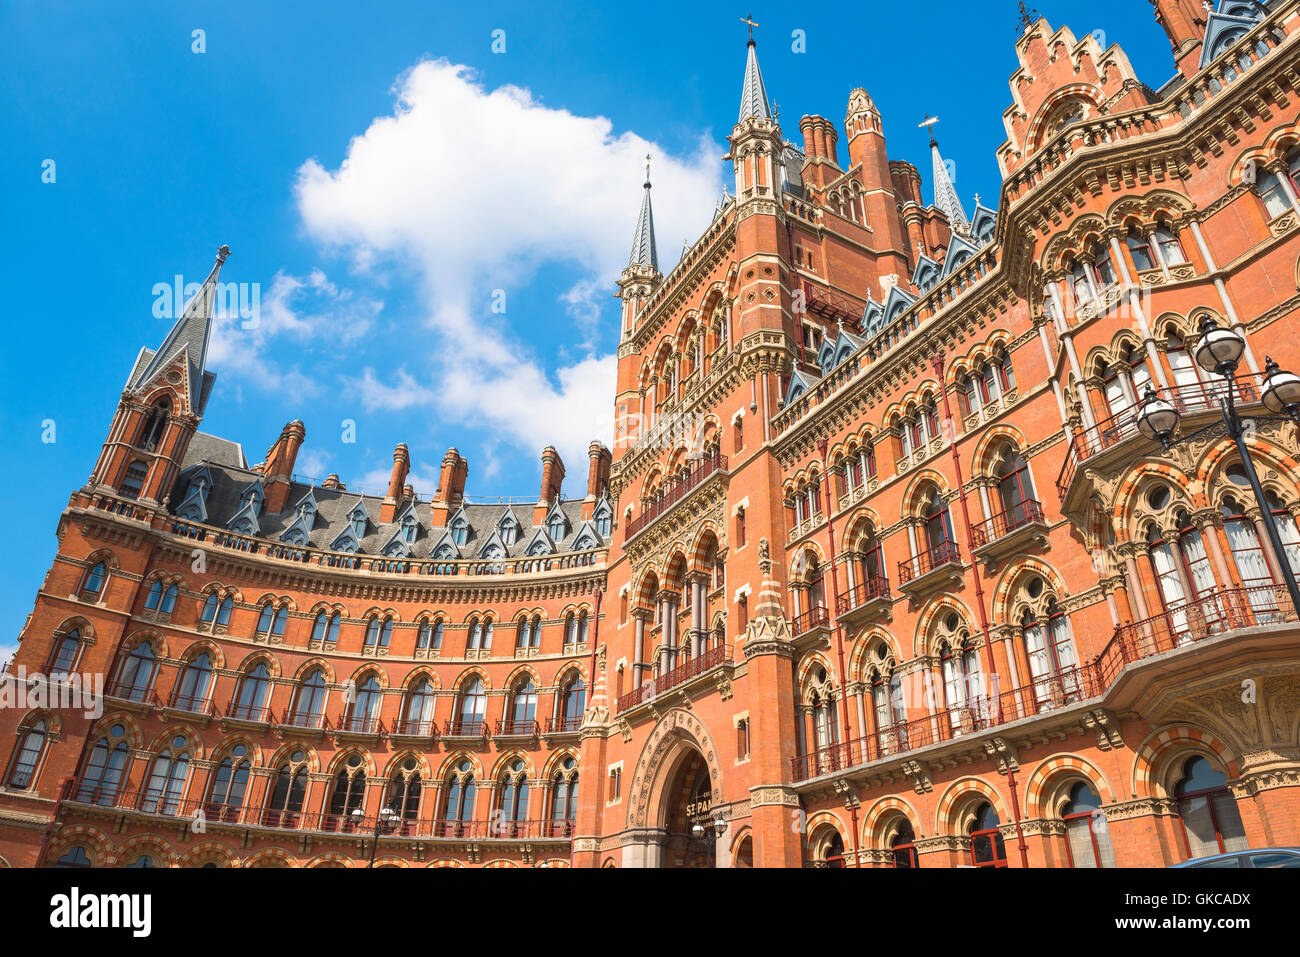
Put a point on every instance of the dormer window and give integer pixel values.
(357, 519)
(509, 530)
(408, 528)
(460, 530)
(555, 526)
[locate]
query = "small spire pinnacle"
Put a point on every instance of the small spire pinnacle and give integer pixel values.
(643, 241)
(753, 96)
(1028, 17)
(945, 196)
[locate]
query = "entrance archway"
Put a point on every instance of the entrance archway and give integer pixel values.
(688, 799)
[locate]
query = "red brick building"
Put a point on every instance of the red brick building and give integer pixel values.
(879, 572)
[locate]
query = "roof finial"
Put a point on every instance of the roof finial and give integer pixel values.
(749, 19)
(927, 124)
(1028, 17)
(223, 252)
(647, 170)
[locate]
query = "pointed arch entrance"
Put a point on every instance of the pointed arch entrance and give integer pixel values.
(677, 786)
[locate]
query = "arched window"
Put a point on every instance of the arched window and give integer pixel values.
(167, 780)
(822, 703)
(430, 637)
(229, 784)
(135, 680)
(272, 620)
(986, 846)
(523, 706)
(1244, 542)
(1015, 490)
(1286, 529)
(471, 707)
(103, 774)
(1053, 664)
(1186, 379)
(133, 480)
(253, 692)
(325, 628)
(65, 651)
(902, 847)
(93, 583)
(151, 431)
(1140, 249)
(417, 716)
(1273, 192)
(513, 787)
(143, 861)
(887, 703)
(309, 707)
(938, 523)
(582, 627)
(1086, 834)
(75, 857)
(564, 793)
(1169, 583)
(363, 713)
(833, 857)
(349, 791)
(1208, 810)
(27, 756)
(574, 698)
(458, 810)
(161, 597)
(1117, 399)
(460, 530)
(523, 633)
(555, 526)
(379, 632)
(285, 804)
(963, 681)
(1169, 246)
(195, 684)
(404, 789)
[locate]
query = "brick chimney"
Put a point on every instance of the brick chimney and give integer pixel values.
(277, 469)
(401, 466)
(552, 478)
(599, 459)
(451, 487)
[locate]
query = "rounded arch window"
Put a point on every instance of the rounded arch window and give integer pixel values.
(986, 847)
(1086, 833)
(1208, 810)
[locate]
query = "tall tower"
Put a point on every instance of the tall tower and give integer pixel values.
(945, 194)
(636, 284)
(1184, 22)
(161, 406)
(867, 149)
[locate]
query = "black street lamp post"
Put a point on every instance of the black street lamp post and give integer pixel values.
(1219, 352)
(385, 819)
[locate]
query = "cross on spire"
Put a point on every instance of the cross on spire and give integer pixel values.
(749, 19)
(927, 124)
(647, 169)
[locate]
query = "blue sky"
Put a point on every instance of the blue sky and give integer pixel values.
(385, 179)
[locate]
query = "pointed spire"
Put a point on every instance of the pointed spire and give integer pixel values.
(753, 96)
(643, 242)
(945, 196)
(192, 331)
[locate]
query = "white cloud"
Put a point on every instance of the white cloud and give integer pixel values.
(296, 315)
(476, 189)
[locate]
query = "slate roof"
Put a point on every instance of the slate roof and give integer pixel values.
(232, 478)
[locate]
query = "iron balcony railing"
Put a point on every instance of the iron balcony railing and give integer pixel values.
(1122, 423)
(671, 679)
(310, 720)
(564, 725)
(416, 728)
(945, 553)
(1028, 512)
(359, 724)
(248, 712)
(818, 616)
(675, 490)
(518, 728)
(154, 803)
(465, 728)
(872, 589)
(1219, 614)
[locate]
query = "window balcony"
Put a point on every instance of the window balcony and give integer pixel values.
(815, 622)
(1228, 611)
(1196, 402)
(426, 730)
(466, 729)
(241, 715)
(518, 729)
(929, 569)
(152, 804)
(305, 721)
(1011, 532)
(358, 726)
(680, 676)
(674, 491)
(866, 601)
(190, 705)
(570, 725)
